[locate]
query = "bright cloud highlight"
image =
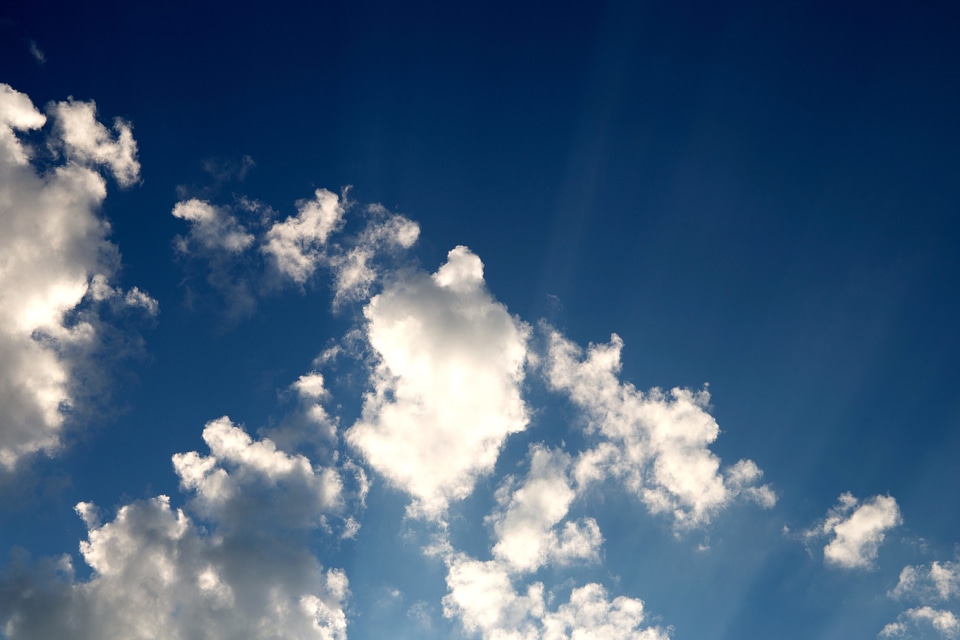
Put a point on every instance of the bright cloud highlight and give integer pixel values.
(56, 264)
(446, 383)
(856, 530)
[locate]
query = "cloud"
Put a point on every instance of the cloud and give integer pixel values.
(36, 52)
(212, 227)
(56, 266)
(944, 622)
(291, 250)
(482, 595)
(84, 140)
(935, 583)
(657, 443)
(446, 384)
(295, 244)
(256, 469)
(857, 530)
(492, 597)
(938, 580)
(354, 268)
(528, 514)
(243, 569)
(309, 423)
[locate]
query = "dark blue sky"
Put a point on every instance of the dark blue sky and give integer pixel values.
(763, 197)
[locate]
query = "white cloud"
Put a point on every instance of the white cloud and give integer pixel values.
(295, 245)
(938, 580)
(491, 598)
(483, 596)
(589, 614)
(657, 442)
(243, 571)
(354, 268)
(86, 141)
(944, 622)
(211, 227)
(525, 522)
(936, 583)
(857, 530)
(446, 384)
(256, 468)
(56, 266)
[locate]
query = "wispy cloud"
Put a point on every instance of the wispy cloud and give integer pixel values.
(36, 52)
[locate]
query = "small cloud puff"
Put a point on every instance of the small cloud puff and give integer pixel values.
(857, 530)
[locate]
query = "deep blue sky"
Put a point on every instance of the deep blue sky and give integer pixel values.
(763, 197)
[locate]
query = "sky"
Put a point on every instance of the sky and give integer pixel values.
(610, 320)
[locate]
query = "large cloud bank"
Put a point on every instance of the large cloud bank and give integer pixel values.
(55, 263)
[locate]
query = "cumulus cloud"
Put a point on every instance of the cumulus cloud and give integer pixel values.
(657, 443)
(482, 595)
(927, 585)
(446, 385)
(856, 530)
(86, 141)
(242, 570)
(944, 622)
(938, 580)
(234, 496)
(525, 522)
(494, 599)
(295, 245)
(56, 265)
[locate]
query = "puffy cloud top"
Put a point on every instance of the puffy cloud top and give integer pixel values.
(446, 385)
(857, 530)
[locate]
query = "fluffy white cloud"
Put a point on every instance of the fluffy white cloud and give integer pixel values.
(256, 469)
(857, 530)
(212, 227)
(483, 596)
(657, 443)
(944, 622)
(55, 266)
(446, 386)
(491, 597)
(525, 522)
(86, 141)
(295, 244)
(938, 580)
(936, 583)
(589, 614)
(243, 571)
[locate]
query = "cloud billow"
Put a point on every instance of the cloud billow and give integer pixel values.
(242, 568)
(57, 265)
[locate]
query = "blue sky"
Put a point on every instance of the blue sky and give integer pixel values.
(618, 320)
